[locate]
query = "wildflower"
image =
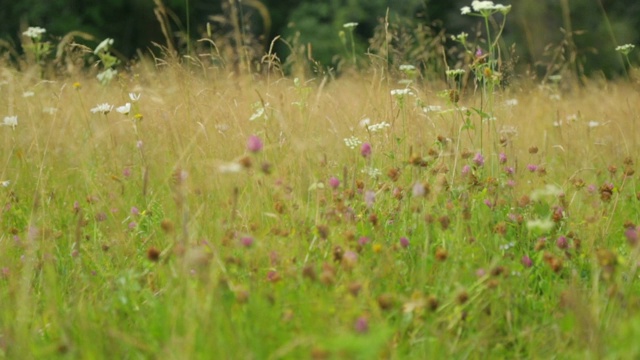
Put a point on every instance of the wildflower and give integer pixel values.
(10, 121)
(369, 198)
(363, 241)
(77, 85)
(562, 242)
(407, 68)
(372, 172)
(106, 76)
(419, 189)
(632, 235)
(549, 190)
(135, 211)
(430, 108)
(511, 102)
(526, 261)
(254, 144)
(101, 216)
(34, 32)
(350, 25)
(365, 150)
(478, 159)
(404, 242)
(455, 72)
(593, 124)
(352, 142)
(485, 8)
(246, 241)
(233, 167)
(378, 127)
(153, 254)
(502, 158)
(334, 182)
(102, 108)
(532, 167)
(5, 183)
(139, 144)
(361, 325)
(103, 46)
(124, 109)
(134, 97)
(465, 170)
(27, 94)
(488, 203)
(625, 49)
(138, 117)
(399, 93)
(349, 259)
(540, 225)
(259, 112)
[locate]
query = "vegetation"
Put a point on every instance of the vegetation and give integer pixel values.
(199, 207)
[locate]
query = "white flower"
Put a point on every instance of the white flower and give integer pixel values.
(350, 25)
(34, 32)
(625, 49)
(134, 97)
(430, 108)
(462, 37)
(549, 190)
(540, 225)
(5, 183)
(482, 5)
(10, 121)
(27, 94)
(365, 122)
(485, 7)
(124, 109)
(106, 76)
(511, 102)
(102, 108)
(371, 171)
(233, 167)
(401, 92)
(407, 67)
(257, 115)
(260, 111)
(455, 72)
(593, 124)
(352, 142)
(572, 117)
(103, 46)
(378, 127)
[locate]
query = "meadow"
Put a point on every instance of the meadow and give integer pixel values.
(183, 212)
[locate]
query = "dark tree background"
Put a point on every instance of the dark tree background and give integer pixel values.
(582, 32)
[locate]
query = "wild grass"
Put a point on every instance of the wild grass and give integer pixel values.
(166, 237)
(371, 215)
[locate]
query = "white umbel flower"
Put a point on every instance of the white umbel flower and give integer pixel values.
(34, 32)
(102, 108)
(10, 121)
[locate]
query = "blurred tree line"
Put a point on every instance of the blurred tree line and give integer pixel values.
(549, 35)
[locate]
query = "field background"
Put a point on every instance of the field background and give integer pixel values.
(215, 202)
